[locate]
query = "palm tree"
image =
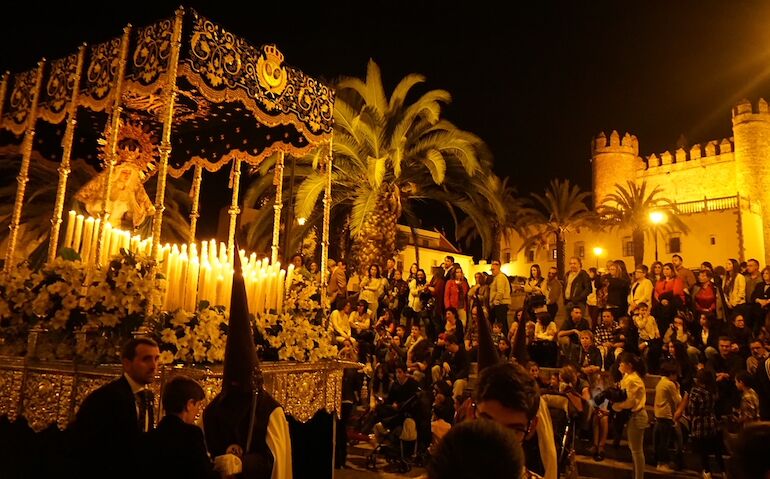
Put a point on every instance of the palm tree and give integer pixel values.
(630, 207)
(563, 209)
(388, 154)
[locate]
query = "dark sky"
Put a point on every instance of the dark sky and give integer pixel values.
(535, 84)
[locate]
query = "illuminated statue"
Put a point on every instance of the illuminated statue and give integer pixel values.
(128, 205)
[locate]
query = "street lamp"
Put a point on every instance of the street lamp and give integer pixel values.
(301, 221)
(598, 251)
(657, 218)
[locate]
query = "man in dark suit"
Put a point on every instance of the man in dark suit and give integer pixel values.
(176, 448)
(112, 419)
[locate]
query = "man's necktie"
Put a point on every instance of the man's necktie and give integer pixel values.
(145, 399)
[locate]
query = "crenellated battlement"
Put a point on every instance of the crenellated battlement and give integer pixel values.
(628, 144)
(706, 152)
(745, 110)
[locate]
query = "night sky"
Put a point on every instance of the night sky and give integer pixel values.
(536, 85)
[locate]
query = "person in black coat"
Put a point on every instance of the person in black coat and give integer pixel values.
(111, 420)
(176, 448)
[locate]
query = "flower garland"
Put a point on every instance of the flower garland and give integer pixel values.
(193, 338)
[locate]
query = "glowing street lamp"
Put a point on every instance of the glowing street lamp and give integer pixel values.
(598, 251)
(657, 218)
(301, 221)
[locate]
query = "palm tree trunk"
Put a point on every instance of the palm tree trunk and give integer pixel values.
(637, 237)
(561, 253)
(496, 238)
(416, 246)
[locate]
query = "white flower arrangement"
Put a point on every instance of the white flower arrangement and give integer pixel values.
(193, 338)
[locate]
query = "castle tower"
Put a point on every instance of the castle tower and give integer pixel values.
(613, 162)
(751, 130)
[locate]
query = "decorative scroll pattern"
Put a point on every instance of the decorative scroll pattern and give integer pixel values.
(100, 76)
(20, 102)
(151, 55)
(10, 398)
(47, 398)
(58, 89)
(225, 68)
(52, 394)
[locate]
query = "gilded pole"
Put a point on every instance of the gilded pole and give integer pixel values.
(64, 167)
(3, 91)
(278, 182)
(112, 146)
(23, 178)
(235, 183)
(325, 225)
(169, 94)
(195, 192)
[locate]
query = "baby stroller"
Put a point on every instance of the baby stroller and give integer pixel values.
(397, 437)
(565, 421)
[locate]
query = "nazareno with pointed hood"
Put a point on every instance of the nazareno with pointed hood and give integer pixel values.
(236, 419)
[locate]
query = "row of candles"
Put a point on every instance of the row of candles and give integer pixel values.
(195, 272)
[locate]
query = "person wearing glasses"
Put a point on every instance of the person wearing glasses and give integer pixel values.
(508, 395)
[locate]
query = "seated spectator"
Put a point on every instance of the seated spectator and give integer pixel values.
(725, 365)
(534, 371)
(678, 332)
(748, 411)
(758, 355)
(590, 361)
(740, 336)
(418, 354)
(545, 328)
(380, 382)
(707, 341)
(395, 354)
(339, 322)
(604, 335)
(504, 349)
(572, 326)
(454, 366)
(453, 324)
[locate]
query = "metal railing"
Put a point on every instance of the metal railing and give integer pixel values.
(709, 204)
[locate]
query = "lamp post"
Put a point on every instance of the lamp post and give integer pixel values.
(598, 251)
(657, 218)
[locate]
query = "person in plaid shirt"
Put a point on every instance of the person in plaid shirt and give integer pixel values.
(703, 421)
(604, 335)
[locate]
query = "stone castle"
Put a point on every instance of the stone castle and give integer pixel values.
(728, 175)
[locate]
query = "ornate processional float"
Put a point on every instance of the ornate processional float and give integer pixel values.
(214, 101)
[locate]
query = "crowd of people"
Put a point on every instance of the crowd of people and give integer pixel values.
(706, 333)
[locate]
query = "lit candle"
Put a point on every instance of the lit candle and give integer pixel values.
(88, 231)
(78, 233)
(70, 229)
(279, 295)
(220, 291)
(191, 289)
(94, 241)
(289, 274)
(106, 244)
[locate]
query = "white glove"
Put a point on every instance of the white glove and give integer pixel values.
(228, 465)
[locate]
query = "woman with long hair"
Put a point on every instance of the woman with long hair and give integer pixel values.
(456, 295)
(534, 287)
(734, 286)
(417, 288)
(707, 338)
(632, 383)
(618, 286)
(373, 288)
(412, 272)
(656, 272)
(669, 297)
(704, 431)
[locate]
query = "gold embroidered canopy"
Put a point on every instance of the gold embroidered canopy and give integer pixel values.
(212, 98)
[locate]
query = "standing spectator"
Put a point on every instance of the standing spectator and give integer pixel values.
(734, 287)
(749, 409)
(337, 284)
(591, 302)
(704, 296)
(398, 296)
(499, 296)
(448, 268)
(412, 272)
(373, 288)
(703, 421)
(655, 272)
(618, 286)
(534, 288)
(390, 271)
(436, 286)
(417, 287)
(577, 285)
(667, 399)
(760, 300)
(641, 289)
(632, 368)
(299, 266)
(553, 291)
(479, 292)
(669, 297)
(456, 295)
(687, 276)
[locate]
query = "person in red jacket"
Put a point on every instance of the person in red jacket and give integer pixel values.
(456, 295)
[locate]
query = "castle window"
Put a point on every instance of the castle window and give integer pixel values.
(507, 256)
(674, 245)
(628, 246)
(713, 240)
(531, 256)
(580, 249)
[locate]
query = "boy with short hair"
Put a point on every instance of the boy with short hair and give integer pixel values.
(667, 399)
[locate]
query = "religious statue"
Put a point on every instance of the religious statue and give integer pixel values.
(128, 205)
